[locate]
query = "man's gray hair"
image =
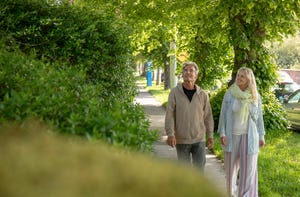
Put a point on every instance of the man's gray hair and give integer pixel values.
(185, 64)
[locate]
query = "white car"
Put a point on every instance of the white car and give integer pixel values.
(285, 86)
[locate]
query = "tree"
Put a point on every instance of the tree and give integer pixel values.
(250, 24)
(153, 32)
(225, 35)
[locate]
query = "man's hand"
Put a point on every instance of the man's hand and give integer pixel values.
(171, 141)
(210, 143)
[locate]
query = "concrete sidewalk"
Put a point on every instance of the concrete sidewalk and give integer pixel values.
(213, 169)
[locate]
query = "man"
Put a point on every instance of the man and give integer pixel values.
(189, 118)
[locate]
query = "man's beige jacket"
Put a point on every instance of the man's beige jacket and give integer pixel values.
(189, 121)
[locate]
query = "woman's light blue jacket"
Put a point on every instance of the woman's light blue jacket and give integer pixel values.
(255, 127)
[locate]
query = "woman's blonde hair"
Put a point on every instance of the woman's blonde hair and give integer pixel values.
(251, 82)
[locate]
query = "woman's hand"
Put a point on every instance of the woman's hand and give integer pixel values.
(262, 143)
(223, 140)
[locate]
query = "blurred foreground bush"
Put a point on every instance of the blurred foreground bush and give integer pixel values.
(36, 162)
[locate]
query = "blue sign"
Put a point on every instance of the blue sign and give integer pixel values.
(149, 73)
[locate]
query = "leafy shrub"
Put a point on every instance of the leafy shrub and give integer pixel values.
(74, 73)
(216, 102)
(77, 36)
(61, 97)
(274, 113)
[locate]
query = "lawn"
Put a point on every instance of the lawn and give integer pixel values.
(279, 160)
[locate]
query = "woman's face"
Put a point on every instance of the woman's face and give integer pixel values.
(241, 80)
(189, 74)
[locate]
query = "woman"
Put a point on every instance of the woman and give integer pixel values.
(241, 130)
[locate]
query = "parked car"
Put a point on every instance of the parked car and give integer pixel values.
(292, 106)
(285, 86)
(283, 89)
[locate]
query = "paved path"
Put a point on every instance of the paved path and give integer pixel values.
(156, 113)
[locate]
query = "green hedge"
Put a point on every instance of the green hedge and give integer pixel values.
(32, 89)
(77, 36)
(70, 66)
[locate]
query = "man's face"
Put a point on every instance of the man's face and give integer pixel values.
(189, 74)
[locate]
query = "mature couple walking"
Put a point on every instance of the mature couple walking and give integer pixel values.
(189, 122)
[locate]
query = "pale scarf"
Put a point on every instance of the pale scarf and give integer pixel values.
(245, 98)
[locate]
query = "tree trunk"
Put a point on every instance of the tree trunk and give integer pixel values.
(158, 76)
(166, 76)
